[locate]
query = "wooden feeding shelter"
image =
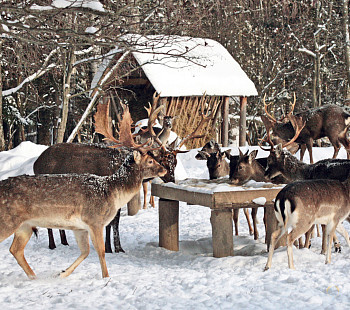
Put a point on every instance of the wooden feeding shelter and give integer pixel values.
(192, 76)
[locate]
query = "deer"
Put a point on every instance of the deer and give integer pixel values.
(98, 159)
(219, 167)
(84, 203)
(329, 120)
(166, 154)
(281, 162)
(302, 204)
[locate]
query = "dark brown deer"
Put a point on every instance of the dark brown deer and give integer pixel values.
(84, 203)
(302, 204)
(330, 121)
(219, 167)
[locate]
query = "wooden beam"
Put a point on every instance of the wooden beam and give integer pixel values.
(242, 121)
(224, 125)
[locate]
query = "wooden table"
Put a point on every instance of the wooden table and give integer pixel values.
(221, 198)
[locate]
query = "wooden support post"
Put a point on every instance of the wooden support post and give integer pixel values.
(242, 121)
(222, 232)
(169, 224)
(224, 125)
(271, 226)
(134, 205)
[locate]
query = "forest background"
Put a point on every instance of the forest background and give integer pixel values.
(50, 51)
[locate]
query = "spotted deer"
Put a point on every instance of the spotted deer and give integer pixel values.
(302, 204)
(84, 203)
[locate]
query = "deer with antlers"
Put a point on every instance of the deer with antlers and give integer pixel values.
(166, 154)
(84, 203)
(330, 121)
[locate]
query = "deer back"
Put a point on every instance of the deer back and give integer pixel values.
(80, 158)
(283, 162)
(312, 201)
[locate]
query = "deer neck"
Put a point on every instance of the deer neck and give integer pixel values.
(164, 135)
(294, 169)
(258, 172)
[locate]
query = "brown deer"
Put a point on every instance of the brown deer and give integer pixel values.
(302, 204)
(219, 167)
(282, 162)
(84, 203)
(81, 158)
(330, 121)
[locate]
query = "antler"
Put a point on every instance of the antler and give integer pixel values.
(102, 124)
(295, 123)
(126, 138)
(267, 113)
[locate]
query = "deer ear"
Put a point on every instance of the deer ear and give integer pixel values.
(240, 152)
(137, 157)
(279, 150)
(202, 155)
(252, 156)
(228, 153)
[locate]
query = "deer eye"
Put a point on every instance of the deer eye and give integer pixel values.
(150, 161)
(240, 167)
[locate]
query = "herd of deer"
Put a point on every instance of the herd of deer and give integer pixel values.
(82, 187)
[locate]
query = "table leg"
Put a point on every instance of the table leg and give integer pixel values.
(169, 224)
(222, 232)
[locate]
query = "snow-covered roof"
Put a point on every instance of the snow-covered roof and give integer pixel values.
(185, 66)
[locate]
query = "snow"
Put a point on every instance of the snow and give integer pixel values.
(150, 277)
(184, 66)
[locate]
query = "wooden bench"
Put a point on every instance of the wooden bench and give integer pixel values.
(220, 200)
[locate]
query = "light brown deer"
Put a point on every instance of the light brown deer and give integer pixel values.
(83, 203)
(301, 204)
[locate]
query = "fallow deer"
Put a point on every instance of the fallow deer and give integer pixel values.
(84, 203)
(81, 158)
(282, 162)
(330, 121)
(219, 167)
(302, 204)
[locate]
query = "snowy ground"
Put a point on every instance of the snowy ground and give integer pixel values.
(149, 277)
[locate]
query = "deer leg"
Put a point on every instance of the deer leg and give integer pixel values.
(276, 235)
(309, 148)
(341, 229)
(20, 240)
(82, 238)
(246, 213)
(256, 232)
(108, 248)
(63, 237)
(293, 235)
(151, 199)
(330, 229)
(116, 238)
(324, 241)
(96, 234)
(235, 216)
(336, 242)
(302, 151)
(318, 231)
(308, 237)
(145, 189)
(52, 244)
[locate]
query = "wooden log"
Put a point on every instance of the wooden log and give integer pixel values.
(169, 224)
(242, 121)
(224, 131)
(222, 232)
(134, 205)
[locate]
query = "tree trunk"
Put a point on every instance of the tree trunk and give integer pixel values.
(2, 135)
(67, 76)
(347, 44)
